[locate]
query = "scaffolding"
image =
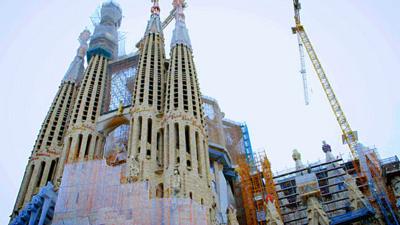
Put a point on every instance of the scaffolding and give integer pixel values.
(257, 187)
(40, 210)
(391, 173)
(333, 193)
(247, 143)
(247, 191)
(370, 165)
(94, 193)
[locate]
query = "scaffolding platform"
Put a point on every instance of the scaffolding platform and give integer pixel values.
(353, 216)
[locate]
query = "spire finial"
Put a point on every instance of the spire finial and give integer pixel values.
(155, 9)
(179, 5)
(154, 24)
(180, 35)
(75, 69)
(83, 39)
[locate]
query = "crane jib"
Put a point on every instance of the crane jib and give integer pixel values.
(349, 136)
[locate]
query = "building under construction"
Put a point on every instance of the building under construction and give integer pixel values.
(130, 139)
(324, 192)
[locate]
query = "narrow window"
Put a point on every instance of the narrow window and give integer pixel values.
(166, 149)
(51, 171)
(89, 140)
(199, 167)
(40, 174)
(96, 145)
(187, 139)
(68, 148)
(176, 135)
(140, 128)
(149, 130)
(78, 147)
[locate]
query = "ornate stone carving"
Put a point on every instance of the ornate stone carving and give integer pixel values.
(176, 181)
(133, 169)
(232, 219)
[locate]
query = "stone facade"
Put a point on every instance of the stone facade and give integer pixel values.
(168, 142)
(44, 160)
(82, 141)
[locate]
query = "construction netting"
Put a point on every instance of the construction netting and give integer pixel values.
(92, 193)
(234, 139)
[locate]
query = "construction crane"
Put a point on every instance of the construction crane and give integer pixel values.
(349, 136)
(171, 15)
(303, 71)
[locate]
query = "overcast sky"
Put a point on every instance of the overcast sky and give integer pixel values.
(246, 57)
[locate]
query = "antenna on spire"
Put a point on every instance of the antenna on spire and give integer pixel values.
(155, 9)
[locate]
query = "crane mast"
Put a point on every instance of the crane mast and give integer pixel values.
(348, 135)
(171, 15)
(303, 71)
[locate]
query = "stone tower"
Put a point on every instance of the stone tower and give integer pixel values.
(186, 160)
(82, 139)
(43, 162)
(145, 142)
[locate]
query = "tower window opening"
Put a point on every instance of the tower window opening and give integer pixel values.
(89, 140)
(199, 167)
(69, 146)
(187, 139)
(40, 174)
(149, 130)
(166, 148)
(148, 153)
(78, 147)
(158, 146)
(51, 171)
(140, 128)
(176, 135)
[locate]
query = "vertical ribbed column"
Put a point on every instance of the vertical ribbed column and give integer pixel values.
(82, 141)
(186, 154)
(145, 143)
(86, 110)
(43, 162)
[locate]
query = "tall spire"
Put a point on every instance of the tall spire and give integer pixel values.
(181, 34)
(76, 68)
(154, 24)
(145, 154)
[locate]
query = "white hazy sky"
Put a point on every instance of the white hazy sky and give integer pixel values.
(247, 58)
